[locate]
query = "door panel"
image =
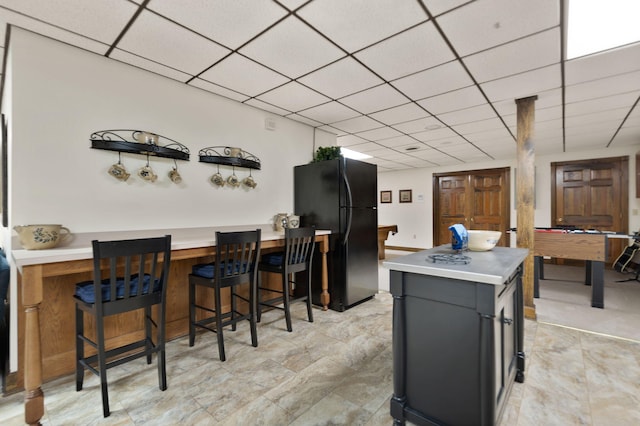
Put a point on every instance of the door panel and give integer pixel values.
(592, 194)
(477, 199)
(452, 206)
(488, 202)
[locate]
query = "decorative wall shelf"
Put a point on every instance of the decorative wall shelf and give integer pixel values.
(138, 142)
(229, 156)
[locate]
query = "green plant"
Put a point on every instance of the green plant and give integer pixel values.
(326, 153)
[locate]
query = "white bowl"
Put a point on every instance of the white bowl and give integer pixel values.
(483, 240)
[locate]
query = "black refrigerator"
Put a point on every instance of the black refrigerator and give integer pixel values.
(341, 195)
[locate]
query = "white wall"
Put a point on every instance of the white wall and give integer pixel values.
(415, 220)
(62, 94)
(57, 95)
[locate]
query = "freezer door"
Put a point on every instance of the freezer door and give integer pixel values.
(361, 179)
(361, 256)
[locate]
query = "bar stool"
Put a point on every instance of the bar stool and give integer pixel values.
(297, 257)
(236, 257)
(142, 285)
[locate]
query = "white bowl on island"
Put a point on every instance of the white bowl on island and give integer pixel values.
(481, 240)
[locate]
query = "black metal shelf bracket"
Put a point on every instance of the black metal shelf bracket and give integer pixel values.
(139, 142)
(229, 156)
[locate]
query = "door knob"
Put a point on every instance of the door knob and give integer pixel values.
(559, 220)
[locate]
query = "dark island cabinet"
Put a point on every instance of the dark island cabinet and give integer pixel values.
(457, 337)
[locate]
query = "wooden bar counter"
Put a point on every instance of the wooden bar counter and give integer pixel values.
(46, 282)
(383, 234)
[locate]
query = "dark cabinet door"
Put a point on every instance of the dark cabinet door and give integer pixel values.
(505, 342)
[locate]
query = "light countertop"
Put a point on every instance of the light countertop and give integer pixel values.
(79, 246)
(492, 267)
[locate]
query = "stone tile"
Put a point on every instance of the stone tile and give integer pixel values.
(333, 410)
(539, 407)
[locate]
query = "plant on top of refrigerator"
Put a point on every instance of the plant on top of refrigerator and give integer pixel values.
(326, 153)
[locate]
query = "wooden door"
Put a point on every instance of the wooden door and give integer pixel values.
(592, 194)
(451, 206)
(477, 199)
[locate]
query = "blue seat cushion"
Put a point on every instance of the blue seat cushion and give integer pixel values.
(85, 290)
(276, 258)
(205, 270)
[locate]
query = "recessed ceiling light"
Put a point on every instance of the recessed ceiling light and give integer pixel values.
(433, 127)
(354, 155)
(411, 148)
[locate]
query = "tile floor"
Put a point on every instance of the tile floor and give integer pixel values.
(337, 371)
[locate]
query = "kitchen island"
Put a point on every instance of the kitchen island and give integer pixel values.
(457, 335)
(46, 283)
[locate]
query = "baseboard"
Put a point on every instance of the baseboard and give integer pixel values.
(403, 248)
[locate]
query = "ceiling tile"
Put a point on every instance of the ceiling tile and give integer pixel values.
(267, 107)
(219, 19)
(449, 143)
(400, 114)
(158, 39)
(341, 78)
(414, 50)
(355, 125)
(398, 141)
(357, 24)
(476, 113)
(450, 76)
(432, 136)
(375, 99)
(615, 116)
(304, 120)
(546, 99)
(293, 4)
(601, 104)
(493, 135)
(627, 136)
(436, 7)
(628, 82)
(523, 85)
(243, 75)
(382, 152)
(479, 126)
(603, 64)
(414, 126)
(453, 101)
(329, 112)
(99, 20)
(294, 97)
(8, 17)
(484, 24)
(332, 130)
(351, 140)
(413, 148)
(218, 90)
(292, 48)
(522, 55)
(137, 61)
(378, 134)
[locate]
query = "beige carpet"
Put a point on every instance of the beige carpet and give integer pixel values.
(565, 300)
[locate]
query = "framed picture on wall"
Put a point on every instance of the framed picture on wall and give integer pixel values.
(385, 196)
(405, 195)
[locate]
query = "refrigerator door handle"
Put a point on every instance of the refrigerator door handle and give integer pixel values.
(349, 212)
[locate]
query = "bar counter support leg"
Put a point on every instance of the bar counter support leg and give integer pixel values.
(31, 299)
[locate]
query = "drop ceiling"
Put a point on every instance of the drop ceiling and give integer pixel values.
(414, 83)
